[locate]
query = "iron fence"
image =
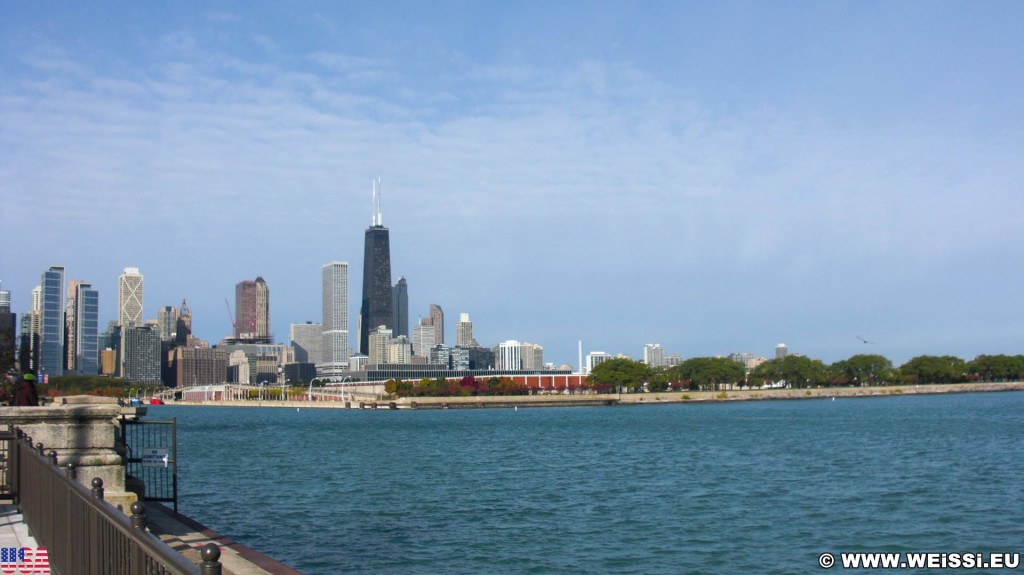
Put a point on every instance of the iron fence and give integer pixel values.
(83, 534)
(152, 457)
(6, 436)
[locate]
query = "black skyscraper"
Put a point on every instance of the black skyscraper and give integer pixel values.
(400, 307)
(376, 306)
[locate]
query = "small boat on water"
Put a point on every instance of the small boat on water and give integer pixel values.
(156, 401)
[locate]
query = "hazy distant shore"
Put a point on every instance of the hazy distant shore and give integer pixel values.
(824, 392)
(632, 398)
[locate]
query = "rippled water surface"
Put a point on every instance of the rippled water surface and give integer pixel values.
(753, 487)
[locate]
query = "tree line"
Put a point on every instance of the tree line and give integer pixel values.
(699, 373)
(713, 373)
(466, 386)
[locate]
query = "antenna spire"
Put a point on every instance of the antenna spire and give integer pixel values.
(377, 218)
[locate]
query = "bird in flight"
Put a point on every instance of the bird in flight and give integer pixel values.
(865, 341)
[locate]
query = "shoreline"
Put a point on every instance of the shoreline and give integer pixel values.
(648, 398)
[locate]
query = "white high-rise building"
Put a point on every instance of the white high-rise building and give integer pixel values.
(400, 350)
(596, 358)
(509, 355)
(423, 337)
(334, 342)
(781, 351)
(379, 344)
(129, 298)
(654, 355)
(35, 322)
(464, 331)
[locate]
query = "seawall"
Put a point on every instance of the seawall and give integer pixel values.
(652, 398)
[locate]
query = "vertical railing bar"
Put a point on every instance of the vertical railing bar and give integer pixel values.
(82, 532)
(174, 469)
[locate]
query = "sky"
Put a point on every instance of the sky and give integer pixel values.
(715, 177)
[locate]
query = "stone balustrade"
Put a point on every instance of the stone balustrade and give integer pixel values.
(84, 431)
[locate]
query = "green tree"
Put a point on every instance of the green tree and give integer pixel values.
(864, 369)
(707, 373)
(658, 380)
(934, 369)
(620, 373)
(997, 367)
(795, 370)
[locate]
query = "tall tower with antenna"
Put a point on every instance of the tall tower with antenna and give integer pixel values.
(375, 310)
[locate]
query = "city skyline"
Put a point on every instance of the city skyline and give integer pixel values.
(737, 176)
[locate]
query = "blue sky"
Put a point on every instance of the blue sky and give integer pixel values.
(714, 177)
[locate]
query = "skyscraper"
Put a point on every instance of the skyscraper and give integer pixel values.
(129, 298)
(51, 322)
(8, 331)
(532, 355)
(307, 339)
(334, 345)
(509, 355)
(183, 327)
(437, 319)
(378, 345)
(423, 338)
(464, 331)
(400, 307)
(654, 355)
(70, 330)
(86, 312)
(167, 321)
(140, 354)
(28, 354)
(252, 310)
(375, 310)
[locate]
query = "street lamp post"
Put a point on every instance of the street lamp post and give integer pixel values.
(280, 379)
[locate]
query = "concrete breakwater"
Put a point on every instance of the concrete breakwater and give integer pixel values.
(654, 398)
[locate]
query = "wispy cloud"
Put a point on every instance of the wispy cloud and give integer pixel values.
(521, 174)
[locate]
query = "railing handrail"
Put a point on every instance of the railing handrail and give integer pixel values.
(24, 455)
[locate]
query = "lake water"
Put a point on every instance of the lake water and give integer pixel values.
(752, 487)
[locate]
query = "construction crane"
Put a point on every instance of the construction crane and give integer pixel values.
(231, 317)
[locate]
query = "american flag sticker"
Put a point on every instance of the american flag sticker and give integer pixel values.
(24, 561)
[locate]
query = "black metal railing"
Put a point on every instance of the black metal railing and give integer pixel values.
(6, 437)
(140, 437)
(81, 532)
